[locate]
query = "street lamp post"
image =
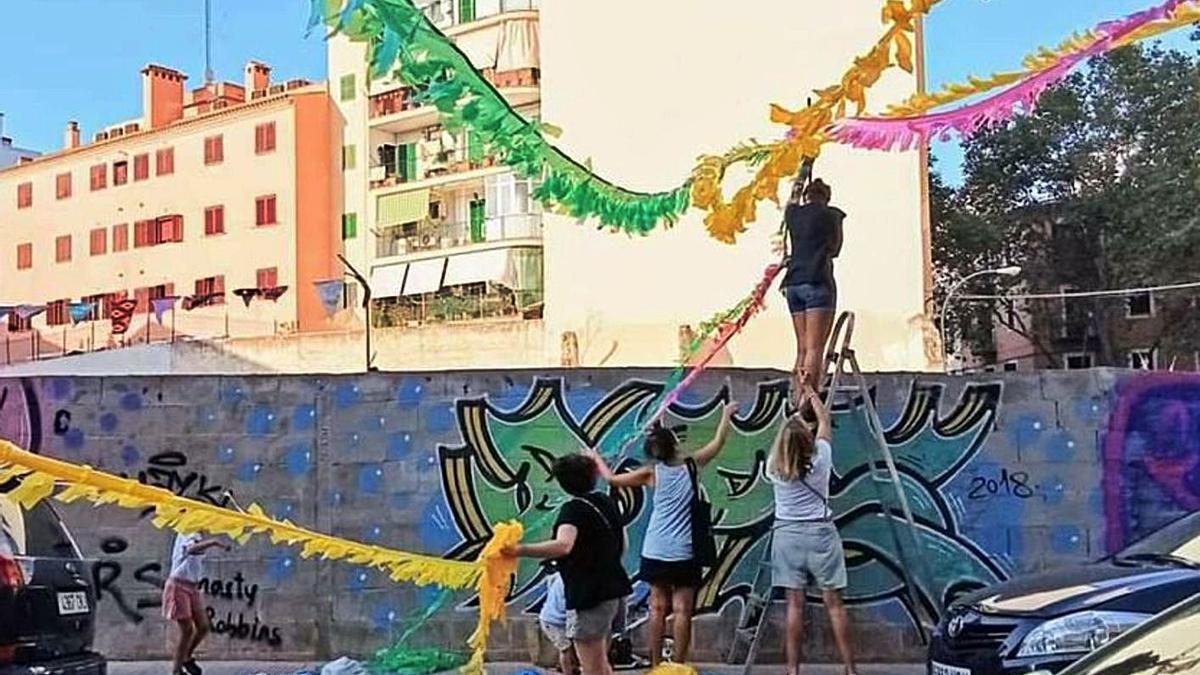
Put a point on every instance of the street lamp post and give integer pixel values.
(366, 307)
(1010, 271)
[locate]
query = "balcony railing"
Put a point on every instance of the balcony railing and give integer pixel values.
(445, 13)
(402, 99)
(449, 162)
(430, 236)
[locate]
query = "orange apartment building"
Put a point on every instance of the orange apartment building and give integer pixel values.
(225, 187)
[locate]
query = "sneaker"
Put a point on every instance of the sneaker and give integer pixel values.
(193, 668)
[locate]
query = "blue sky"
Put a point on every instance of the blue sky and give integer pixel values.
(79, 59)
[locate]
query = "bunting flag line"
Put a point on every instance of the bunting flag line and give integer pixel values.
(199, 300)
(81, 311)
(274, 293)
(909, 125)
(161, 305)
(27, 312)
(121, 313)
(42, 477)
(330, 291)
(247, 294)
(5, 310)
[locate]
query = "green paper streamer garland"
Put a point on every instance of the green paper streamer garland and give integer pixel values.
(441, 75)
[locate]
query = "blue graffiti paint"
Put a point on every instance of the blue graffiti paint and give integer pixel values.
(132, 401)
(581, 400)
(1067, 539)
(108, 422)
(401, 501)
(410, 392)
(232, 394)
(226, 454)
(206, 417)
(358, 578)
(304, 418)
(1054, 490)
(399, 445)
(437, 529)
(335, 498)
(249, 471)
(347, 395)
(298, 459)
(370, 478)
(1061, 448)
(1027, 430)
(260, 421)
(60, 388)
(372, 533)
(511, 398)
(74, 439)
(440, 418)
(281, 567)
(284, 509)
(130, 455)
(385, 614)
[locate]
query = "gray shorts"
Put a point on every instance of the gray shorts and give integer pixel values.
(805, 554)
(557, 635)
(593, 624)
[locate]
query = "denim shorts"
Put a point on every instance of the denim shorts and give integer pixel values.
(807, 297)
(807, 554)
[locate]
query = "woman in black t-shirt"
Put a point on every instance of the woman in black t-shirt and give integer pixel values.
(588, 543)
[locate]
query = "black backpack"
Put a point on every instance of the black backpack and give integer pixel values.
(704, 544)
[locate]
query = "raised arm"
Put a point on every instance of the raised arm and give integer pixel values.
(713, 448)
(824, 422)
(640, 477)
(204, 545)
(558, 547)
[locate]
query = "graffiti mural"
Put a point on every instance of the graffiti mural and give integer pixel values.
(501, 471)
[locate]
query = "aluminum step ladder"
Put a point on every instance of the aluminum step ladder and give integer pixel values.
(842, 364)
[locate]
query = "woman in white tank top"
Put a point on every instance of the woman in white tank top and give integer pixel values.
(667, 560)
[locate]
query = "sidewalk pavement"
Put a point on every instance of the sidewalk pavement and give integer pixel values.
(281, 668)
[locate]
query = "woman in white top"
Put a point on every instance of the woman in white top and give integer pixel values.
(806, 546)
(667, 561)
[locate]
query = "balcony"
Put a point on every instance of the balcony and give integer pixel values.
(396, 109)
(429, 235)
(446, 14)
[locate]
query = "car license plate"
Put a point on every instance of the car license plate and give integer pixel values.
(943, 669)
(72, 603)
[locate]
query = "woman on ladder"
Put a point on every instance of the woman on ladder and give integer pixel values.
(668, 564)
(814, 239)
(805, 545)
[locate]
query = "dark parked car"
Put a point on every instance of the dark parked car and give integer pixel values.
(1167, 644)
(47, 605)
(1048, 621)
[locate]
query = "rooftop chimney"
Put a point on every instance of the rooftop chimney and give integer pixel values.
(71, 136)
(1, 124)
(162, 95)
(258, 77)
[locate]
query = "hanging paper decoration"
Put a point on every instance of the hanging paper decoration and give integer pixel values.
(80, 311)
(908, 126)
(442, 76)
(199, 300)
(274, 293)
(247, 294)
(161, 305)
(5, 310)
(330, 291)
(42, 477)
(121, 313)
(27, 312)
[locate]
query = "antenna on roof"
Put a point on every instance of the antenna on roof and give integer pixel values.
(208, 71)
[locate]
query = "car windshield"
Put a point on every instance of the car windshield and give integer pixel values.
(1168, 643)
(1179, 540)
(36, 533)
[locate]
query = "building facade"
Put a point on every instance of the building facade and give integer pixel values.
(450, 235)
(9, 153)
(215, 195)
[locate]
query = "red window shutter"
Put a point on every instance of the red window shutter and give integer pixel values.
(24, 195)
(141, 166)
(214, 220)
(268, 277)
(62, 248)
(214, 149)
(24, 256)
(120, 237)
(264, 138)
(62, 186)
(177, 227)
(164, 162)
(120, 173)
(142, 296)
(99, 177)
(271, 210)
(99, 241)
(141, 233)
(264, 210)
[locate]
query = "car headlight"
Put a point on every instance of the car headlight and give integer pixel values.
(1078, 633)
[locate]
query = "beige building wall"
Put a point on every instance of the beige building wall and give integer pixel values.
(237, 254)
(642, 88)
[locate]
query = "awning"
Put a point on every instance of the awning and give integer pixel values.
(388, 281)
(402, 207)
(517, 268)
(424, 276)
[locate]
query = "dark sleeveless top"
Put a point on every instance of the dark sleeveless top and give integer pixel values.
(811, 228)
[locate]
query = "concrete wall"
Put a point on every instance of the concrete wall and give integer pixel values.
(1008, 475)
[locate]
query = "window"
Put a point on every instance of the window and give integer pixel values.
(111, 300)
(349, 226)
(24, 195)
(347, 83)
(24, 256)
(96, 302)
(57, 314)
(267, 278)
(62, 249)
(145, 233)
(141, 167)
(99, 174)
(1080, 361)
(264, 210)
(99, 241)
(406, 162)
(120, 173)
(17, 323)
(1142, 359)
(169, 229)
(1010, 366)
(1140, 306)
(466, 11)
(349, 157)
(214, 287)
(264, 138)
(62, 186)
(120, 239)
(214, 150)
(164, 162)
(214, 220)
(1075, 315)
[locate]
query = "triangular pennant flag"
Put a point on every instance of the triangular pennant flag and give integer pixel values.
(330, 292)
(201, 300)
(27, 312)
(161, 305)
(80, 311)
(121, 313)
(5, 310)
(247, 294)
(274, 293)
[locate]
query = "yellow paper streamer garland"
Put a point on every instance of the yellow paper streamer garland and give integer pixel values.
(491, 574)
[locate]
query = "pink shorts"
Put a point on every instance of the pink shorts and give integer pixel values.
(181, 600)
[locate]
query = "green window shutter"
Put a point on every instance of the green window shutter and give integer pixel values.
(474, 149)
(409, 152)
(349, 157)
(349, 226)
(466, 11)
(348, 91)
(478, 216)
